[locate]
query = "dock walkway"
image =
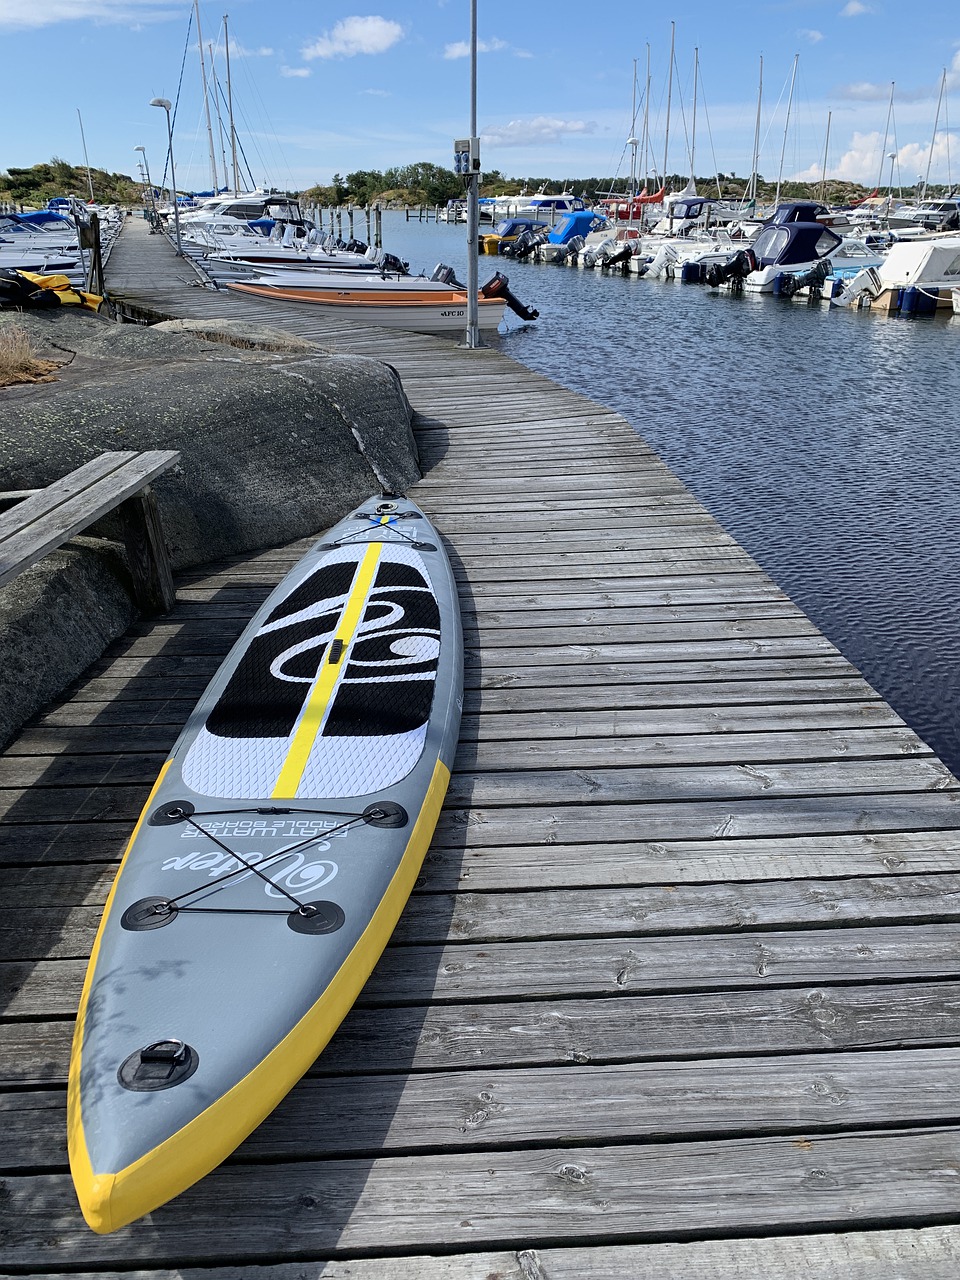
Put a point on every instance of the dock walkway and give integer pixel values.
(678, 992)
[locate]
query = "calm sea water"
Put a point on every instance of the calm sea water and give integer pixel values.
(824, 440)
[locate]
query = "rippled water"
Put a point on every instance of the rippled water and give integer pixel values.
(825, 441)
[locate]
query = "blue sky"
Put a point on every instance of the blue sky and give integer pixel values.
(335, 87)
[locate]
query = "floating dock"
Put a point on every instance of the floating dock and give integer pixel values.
(678, 992)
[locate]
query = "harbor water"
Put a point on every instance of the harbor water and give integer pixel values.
(823, 440)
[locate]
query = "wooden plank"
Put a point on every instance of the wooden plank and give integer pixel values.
(626, 1028)
(416, 1114)
(497, 1199)
(53, 913)
(50, 518)
(97, 732)
(514, 865)
(79, 784)
(929, 1253)
(576, 968)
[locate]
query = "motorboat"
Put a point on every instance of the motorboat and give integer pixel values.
(434, 305)
(791, 249)
(507, 231)
(926, 216)
(915, 276)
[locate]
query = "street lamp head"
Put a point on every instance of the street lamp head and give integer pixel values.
(161, 102)
(143, 149)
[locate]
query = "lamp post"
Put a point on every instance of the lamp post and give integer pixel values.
(146, 169)
(166, 104)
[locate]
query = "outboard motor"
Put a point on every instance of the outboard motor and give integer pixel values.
(498, 286)
(575, 246)
(356, 246)
(865, 284)
(732, 272)
(616, 257)
(443, 274)
(523, 246)
(665, 257)
(389, 262)
(793, 282)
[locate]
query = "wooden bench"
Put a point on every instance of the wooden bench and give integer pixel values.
(47, 518)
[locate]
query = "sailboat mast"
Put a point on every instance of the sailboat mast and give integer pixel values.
(886, 133)
(786, 127)
(693, 131)
(933, 139)
(666, 136)
(646, 122)
(826, 148)
(85, 160)
(206, 98)
(633, 140)
(233, 131)
(752, 188)
(216, 100)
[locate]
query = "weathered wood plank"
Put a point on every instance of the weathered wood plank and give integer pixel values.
(626, 1028)
(492, 1199)
(930, 1253)
(577, 968)
(586, 863)
(99, 787)
(52, 913)
(413, 1114)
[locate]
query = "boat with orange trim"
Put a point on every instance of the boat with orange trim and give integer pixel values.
(434, 305)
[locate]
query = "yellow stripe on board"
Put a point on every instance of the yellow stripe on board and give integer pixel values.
(327, 677)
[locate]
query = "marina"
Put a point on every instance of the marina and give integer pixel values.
(677, 990)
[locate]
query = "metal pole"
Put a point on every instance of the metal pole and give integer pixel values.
(167, 104)
(233, 131)
(472, 335)
(206, 101)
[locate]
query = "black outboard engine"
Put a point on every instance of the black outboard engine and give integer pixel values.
(522, 247)
(733, 272)
(499, 287)
(574, 246)
(356, 246)
(443, 274)
(389, 262)
(791, 283)
(618, 259)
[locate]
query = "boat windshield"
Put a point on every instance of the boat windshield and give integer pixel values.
(770, 243)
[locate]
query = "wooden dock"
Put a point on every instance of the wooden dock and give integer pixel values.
(678, 993)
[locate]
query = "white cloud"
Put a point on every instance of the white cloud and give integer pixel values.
(295, 73)
(813, 36)
(377, 93)
(355, 35)
(461, 49)
(854, 9)
(239, 51)
(539, 130)
(28, 13)
(864, 91)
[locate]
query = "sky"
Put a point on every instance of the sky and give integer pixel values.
(324, 88)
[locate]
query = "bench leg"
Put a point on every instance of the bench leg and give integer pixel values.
(147, 555)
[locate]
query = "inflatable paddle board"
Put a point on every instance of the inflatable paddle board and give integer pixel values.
(270, 864)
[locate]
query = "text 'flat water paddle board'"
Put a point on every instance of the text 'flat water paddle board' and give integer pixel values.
(270, 864)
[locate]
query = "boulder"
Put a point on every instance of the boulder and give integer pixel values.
(55, 619)
(275, 444)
